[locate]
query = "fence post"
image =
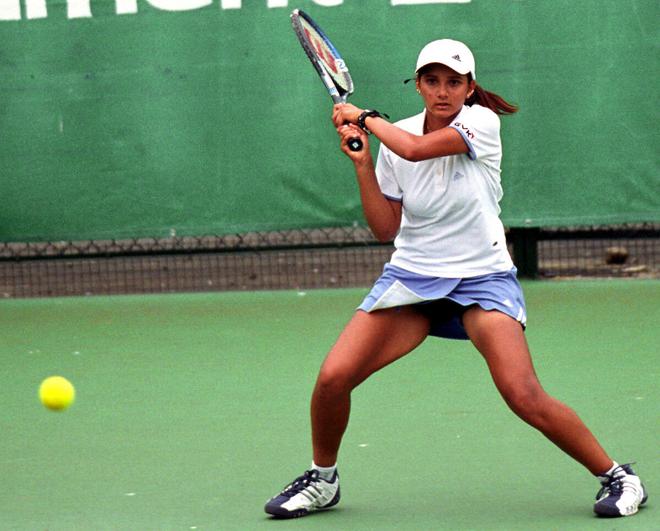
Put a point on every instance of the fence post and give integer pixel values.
(525, 250)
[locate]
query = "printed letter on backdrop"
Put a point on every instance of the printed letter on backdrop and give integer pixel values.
(179, 5)
(329, 3)
(78, 9)
(35, 9)
(126, 7)
(10, 10)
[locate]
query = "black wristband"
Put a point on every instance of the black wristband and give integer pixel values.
(366, 114)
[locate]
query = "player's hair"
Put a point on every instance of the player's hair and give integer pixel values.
(494, 102)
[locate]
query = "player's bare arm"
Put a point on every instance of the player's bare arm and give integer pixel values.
(440, 143)
(383, 215)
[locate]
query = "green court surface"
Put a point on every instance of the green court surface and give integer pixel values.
(192, 410)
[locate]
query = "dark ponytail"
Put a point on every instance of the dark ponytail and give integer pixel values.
(495, 103)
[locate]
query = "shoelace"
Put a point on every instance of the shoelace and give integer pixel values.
(614, 484)
(301, 483)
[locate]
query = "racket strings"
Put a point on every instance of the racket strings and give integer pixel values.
(328, 57)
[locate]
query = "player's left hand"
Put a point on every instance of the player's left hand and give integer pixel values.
(349, 132)
(345, 112)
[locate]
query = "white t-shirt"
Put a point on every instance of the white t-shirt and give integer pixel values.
(450, 224)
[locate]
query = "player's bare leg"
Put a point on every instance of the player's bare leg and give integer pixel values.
(369, 342)
(501, 341)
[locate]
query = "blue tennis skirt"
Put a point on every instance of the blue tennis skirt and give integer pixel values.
(445, 300)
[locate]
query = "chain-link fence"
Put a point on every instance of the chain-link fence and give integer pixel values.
(299, 259)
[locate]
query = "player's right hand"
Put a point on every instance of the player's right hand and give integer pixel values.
(349, 131)
(343, 113)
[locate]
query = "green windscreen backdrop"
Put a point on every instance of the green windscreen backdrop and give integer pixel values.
(132, 118)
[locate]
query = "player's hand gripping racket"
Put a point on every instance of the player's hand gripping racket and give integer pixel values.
(326, 59)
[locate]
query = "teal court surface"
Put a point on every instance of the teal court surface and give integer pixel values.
(192, 410)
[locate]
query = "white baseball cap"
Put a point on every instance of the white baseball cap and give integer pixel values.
(448, 52)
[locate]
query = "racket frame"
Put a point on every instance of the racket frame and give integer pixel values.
(338, 93)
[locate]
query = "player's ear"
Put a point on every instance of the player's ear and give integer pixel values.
(472, 86)
(417, 85)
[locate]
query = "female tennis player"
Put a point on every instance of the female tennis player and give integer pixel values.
(436, 189)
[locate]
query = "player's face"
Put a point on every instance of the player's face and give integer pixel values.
(444, 91)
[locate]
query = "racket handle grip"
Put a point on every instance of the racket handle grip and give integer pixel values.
(355, 144)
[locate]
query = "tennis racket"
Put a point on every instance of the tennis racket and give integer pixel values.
(328, 63)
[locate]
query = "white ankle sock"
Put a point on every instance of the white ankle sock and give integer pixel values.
(615, 465)
(325, 472)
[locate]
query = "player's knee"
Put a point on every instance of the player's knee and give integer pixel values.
(333, 381)
(526, 400)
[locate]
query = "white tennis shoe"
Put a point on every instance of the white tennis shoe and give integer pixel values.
(621, 493)
(309, 492)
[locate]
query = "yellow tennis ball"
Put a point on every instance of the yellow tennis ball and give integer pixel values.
(56, 393)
